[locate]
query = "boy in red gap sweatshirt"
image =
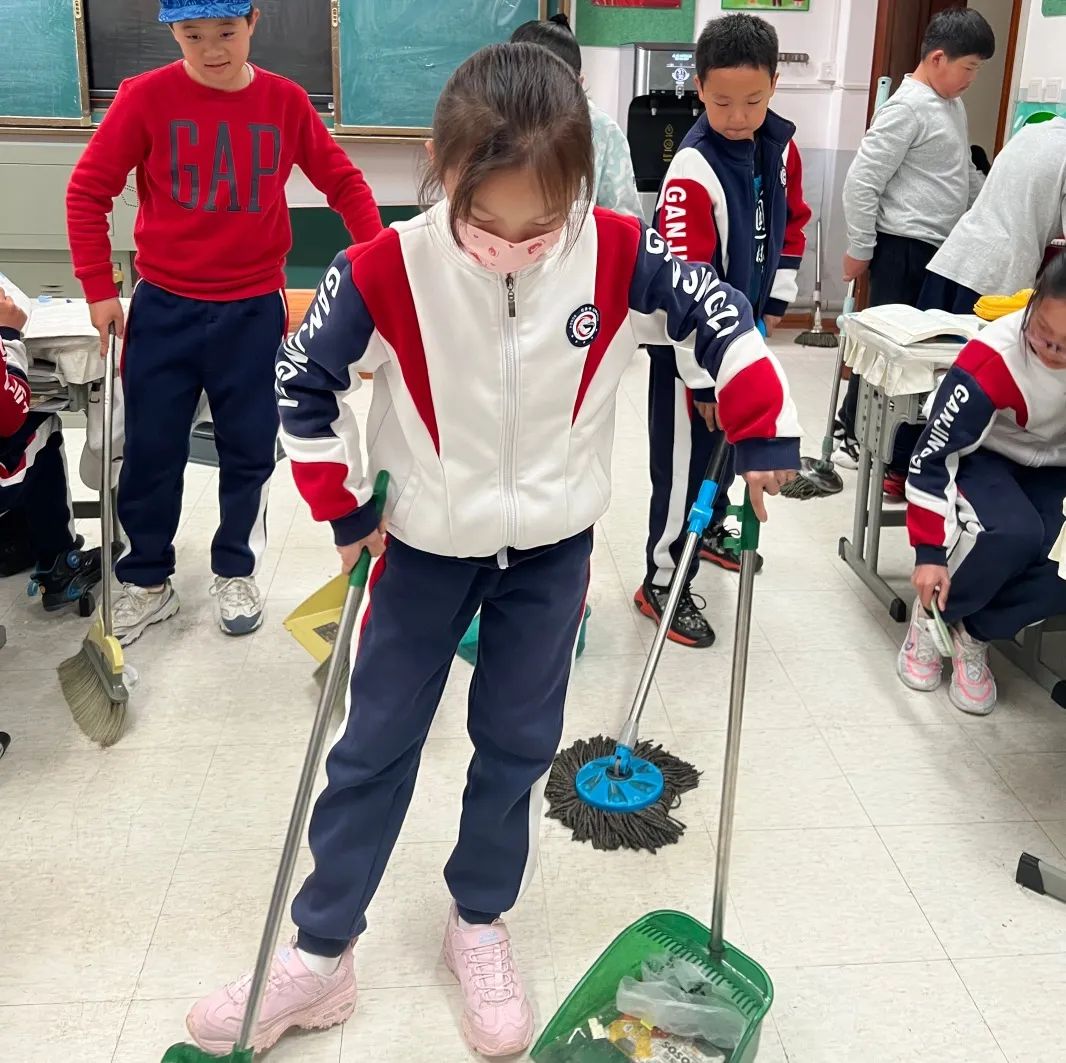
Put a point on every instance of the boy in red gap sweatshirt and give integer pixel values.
(213, 140)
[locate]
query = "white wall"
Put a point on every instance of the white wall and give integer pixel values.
(982, 101)
(1043, 49)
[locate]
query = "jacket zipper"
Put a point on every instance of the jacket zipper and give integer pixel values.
(510, 417)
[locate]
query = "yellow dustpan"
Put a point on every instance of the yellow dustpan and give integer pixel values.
(314, 622)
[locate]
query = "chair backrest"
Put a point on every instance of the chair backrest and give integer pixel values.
(298, 300)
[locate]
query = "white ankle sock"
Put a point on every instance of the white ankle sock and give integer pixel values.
(322, 965)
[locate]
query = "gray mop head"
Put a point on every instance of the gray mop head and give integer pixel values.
(648, 829)
(818, 338)
(816, 479)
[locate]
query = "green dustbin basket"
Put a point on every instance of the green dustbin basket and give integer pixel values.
(735, 977)
(741, 980)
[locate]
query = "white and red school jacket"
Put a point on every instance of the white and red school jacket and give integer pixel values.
(998, 395)
(22, 434)
(494, 397)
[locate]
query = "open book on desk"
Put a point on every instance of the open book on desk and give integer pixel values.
(910, 327)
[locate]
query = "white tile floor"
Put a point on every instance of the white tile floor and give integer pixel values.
(878, 829)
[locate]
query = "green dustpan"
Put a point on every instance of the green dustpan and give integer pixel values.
(734, 978)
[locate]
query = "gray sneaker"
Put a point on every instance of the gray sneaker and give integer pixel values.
(239, 604)
(136, 609)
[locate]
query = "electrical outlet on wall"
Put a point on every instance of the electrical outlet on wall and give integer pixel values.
(827, 71)
(1035, 90)
(1053, 90)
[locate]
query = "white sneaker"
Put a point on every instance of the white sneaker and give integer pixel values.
(919, 663)
(239, 604)
(136, 609)
(846, 452)
(973, 686)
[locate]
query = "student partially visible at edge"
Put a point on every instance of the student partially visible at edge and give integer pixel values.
(213, 140)
(912, 180)
(733, 196)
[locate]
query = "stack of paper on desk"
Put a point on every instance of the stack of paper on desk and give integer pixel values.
(61, 333)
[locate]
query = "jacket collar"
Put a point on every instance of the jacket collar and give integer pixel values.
(776, 131)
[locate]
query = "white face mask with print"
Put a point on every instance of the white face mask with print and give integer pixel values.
(501, 256)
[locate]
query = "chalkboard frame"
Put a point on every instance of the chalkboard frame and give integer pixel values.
(85, 119)
(376, 131)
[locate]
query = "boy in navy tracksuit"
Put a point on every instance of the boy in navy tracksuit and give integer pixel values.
(33, 475)
(733, 196)
(213, 140)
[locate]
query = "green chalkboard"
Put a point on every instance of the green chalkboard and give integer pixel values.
(396, 55)
(42, 49)
(1054, 7)
(611, 26)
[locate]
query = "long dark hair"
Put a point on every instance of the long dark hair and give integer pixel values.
(512, 106)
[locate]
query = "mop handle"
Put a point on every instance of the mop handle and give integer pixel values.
(748, 543)
(338, 670)
(107, 512)
(699, 517)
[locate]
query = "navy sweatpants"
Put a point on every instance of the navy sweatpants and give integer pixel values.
(42, 493)
(175, 350)
(420, 607)
(681, 446)
(1010, 516)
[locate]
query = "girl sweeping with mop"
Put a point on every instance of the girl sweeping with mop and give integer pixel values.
(498, 326)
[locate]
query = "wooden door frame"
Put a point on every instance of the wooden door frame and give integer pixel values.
(1006, 99)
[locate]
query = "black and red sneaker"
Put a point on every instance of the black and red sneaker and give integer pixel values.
(715, 547)
(690, 627)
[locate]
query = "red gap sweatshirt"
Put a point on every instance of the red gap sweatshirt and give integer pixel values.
(211, 169)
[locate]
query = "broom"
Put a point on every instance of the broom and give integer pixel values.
(818, 477)
(621, 794)
(817, 336)
(92, 681)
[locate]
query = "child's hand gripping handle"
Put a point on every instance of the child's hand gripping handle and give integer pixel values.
(361, 569)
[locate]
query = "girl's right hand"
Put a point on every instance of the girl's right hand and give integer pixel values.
(928, 580)
(374, 543)
(103, 315)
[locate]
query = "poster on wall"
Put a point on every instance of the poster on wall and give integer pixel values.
(637, 3)
(1054, 7)
(775, 5)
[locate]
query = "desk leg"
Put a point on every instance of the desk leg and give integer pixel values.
(1026, 656)
(862, 501)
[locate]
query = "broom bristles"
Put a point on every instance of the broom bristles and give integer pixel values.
(647, 829)
(100, 718)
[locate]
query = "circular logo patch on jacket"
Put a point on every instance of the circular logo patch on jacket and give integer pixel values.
(583, 326)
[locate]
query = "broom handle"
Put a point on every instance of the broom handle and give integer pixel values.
(107, 512)
(338, 669)
(699, 518)
(749, 540)
(335, 674)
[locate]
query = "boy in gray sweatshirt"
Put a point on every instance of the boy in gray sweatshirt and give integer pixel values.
(913, 178)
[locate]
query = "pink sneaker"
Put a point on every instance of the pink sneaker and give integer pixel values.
(973, 686)
(294, 996)
(497, 1017)
(919, 663)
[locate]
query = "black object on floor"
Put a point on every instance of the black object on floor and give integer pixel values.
(1041, 878)
(5, 741)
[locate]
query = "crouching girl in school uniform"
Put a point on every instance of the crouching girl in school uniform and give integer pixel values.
(498, 326)
(985, 490)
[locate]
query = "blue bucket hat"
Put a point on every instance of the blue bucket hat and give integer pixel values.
(184, 10)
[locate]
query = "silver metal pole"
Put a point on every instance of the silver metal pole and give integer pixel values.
(732, 749)
(631, 728)
(338, 670)
(107, 513)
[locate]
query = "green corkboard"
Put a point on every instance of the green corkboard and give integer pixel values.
(611, 26)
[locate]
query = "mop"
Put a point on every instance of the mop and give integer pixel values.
(335, 682)
(92, 681)
(817, 336)
(817, 477)
(621, 794)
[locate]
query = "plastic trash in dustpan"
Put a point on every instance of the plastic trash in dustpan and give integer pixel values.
(738, 982)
